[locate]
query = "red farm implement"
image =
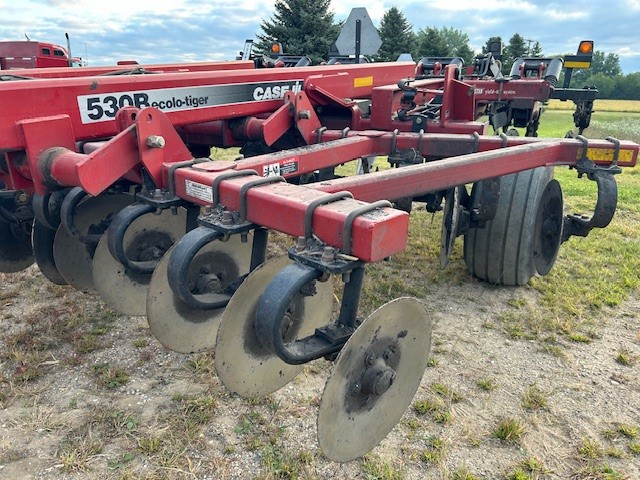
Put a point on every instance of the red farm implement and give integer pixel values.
(110, 177)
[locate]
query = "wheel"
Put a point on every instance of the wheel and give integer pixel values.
(147, 238)
(508, 251)
(374, 379)
(15, 247)
(243, 364)
(174, 323)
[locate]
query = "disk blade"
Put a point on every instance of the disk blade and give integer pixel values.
(242, 363)
(72, 257)
(374, 379)
(149, 236)
(42, 239)
(15, 248)
(174, 323)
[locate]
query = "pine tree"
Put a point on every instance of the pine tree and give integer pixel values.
(396, 34)
(515, 48)
(304, 27)
(536, 50)
(430, 43)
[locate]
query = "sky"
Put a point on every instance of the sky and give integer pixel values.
(170, 31)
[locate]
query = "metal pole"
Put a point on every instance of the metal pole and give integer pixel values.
(358, 34)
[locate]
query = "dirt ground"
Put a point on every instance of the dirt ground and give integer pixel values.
(87, 393)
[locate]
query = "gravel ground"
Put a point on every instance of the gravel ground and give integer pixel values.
(87, 393)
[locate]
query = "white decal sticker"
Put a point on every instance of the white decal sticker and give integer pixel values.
(272, 170)
(104, 106)
(198, 190)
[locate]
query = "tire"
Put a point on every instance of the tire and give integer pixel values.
(503, 252)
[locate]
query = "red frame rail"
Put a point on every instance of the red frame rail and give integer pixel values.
(375, 236)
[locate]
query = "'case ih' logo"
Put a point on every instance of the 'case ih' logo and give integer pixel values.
(270, 92)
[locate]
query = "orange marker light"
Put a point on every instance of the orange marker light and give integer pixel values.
(586, 47)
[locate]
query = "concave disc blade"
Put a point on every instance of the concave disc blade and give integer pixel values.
(42, 239)
(243, 364)
(15, 248)
(354, 415)
(177, 325)
(148, 235)
(450, 220)
(72, 257)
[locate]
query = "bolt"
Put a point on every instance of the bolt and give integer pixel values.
(21, 198)
(389, 352)
(301, 244)
(227, 217)
(378, 379)
(418, 120)
(157, 194)
(304, 114)
(328, 254)
(287, 323)
(155, 141)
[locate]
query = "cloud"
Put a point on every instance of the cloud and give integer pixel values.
(198, 30)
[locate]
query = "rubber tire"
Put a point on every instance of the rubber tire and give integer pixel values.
(502, 253)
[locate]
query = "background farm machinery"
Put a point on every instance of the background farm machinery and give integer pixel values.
(107, 184)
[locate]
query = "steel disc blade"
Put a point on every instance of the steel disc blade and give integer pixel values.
(450, 220)
(72, 257)
(390, 348)
(243, 364)
(42, 239)
(177, 325)
(15, 248)
(148, 236)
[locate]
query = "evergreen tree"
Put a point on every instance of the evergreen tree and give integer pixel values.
(516, 47)
(396, 34)
(536, 50)
(430, 43)
(304, 27)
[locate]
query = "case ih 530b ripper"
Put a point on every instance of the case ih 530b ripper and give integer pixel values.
(106, 165)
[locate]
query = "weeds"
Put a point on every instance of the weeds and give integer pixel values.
(110, 377)
(534, 399)
(626, 358)
(509, 430)
(487, 384)
(590, 449)
(376, 469)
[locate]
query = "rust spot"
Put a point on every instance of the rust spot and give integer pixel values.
(93, 85)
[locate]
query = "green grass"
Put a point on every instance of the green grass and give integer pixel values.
(591, 274)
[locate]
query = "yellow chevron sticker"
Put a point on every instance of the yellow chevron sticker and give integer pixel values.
(571, 64)
(606, 155)
(363, 82)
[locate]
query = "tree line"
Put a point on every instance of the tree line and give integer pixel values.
(307, 27)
